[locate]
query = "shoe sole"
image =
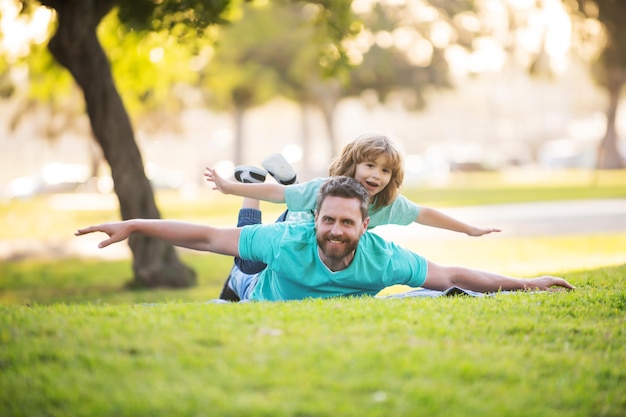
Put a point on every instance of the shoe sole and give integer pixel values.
(278, 167)
(249, 174)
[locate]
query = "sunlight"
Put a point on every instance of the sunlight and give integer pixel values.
(543, 27)
(421, 53)
(292, 153)
(548, 28)
(422, 12)
(384, 39)
(157, 54)
(21, 30)
(404, 37)
(487, 56)
(441, 34)
(557, 35)
(363, 6)
(225, 168)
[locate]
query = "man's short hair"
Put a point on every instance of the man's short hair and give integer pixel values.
(344, 187)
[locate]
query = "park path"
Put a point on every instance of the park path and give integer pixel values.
(531, 219)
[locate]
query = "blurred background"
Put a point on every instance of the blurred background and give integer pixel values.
(469, 86)
(103, 103)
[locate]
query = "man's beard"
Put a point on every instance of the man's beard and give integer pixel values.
(334, 253)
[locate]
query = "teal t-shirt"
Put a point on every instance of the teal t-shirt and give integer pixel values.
(303, 198)
(294, 270)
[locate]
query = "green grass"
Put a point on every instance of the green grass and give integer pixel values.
(98, 281)
(520, 186)
(518, 354)
(75, 341)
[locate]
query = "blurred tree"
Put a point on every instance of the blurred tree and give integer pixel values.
(401, 51)
(403, 56)
(244, 70)
(407, 65)
(278, 48)
(76, 46)
(610, 67)
(7, 87)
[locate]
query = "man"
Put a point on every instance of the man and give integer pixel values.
(334, 256)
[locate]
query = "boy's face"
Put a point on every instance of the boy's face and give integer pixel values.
(338, 227)
(374, 175)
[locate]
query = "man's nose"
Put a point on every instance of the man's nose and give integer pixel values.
(337, 229)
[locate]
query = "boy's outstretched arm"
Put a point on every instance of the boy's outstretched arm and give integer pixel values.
(183, 234)
(434, 218)
(274, 193)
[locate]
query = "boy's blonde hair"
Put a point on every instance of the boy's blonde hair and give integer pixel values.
(368, 147)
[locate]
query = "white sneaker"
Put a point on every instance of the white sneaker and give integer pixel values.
(250, 174)
(280, 169)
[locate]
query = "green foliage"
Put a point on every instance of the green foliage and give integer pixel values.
(335, 22)
(509, 355)
(6, 84)
(239, 75)
(166, 14)
(147, 65)
(48, 81)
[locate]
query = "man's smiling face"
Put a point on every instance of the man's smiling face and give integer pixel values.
(339, 225)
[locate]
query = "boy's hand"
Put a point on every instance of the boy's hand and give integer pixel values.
(220, 183)
(480, 231)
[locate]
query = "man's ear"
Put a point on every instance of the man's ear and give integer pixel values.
(366, 222)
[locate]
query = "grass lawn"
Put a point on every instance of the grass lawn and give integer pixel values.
(74, 341)
(522, 354)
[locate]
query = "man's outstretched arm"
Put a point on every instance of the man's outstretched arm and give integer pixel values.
(187, 235)
(443, 277)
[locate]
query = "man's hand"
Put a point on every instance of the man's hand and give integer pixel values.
(546, 283)
(117, 232)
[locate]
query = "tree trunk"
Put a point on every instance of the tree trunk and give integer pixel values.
(305, 141)
(75, 45)
(608, 155)
(327, 96)
(328, 113)
(238, 115)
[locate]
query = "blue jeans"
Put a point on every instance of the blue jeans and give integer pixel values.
(241, 283)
